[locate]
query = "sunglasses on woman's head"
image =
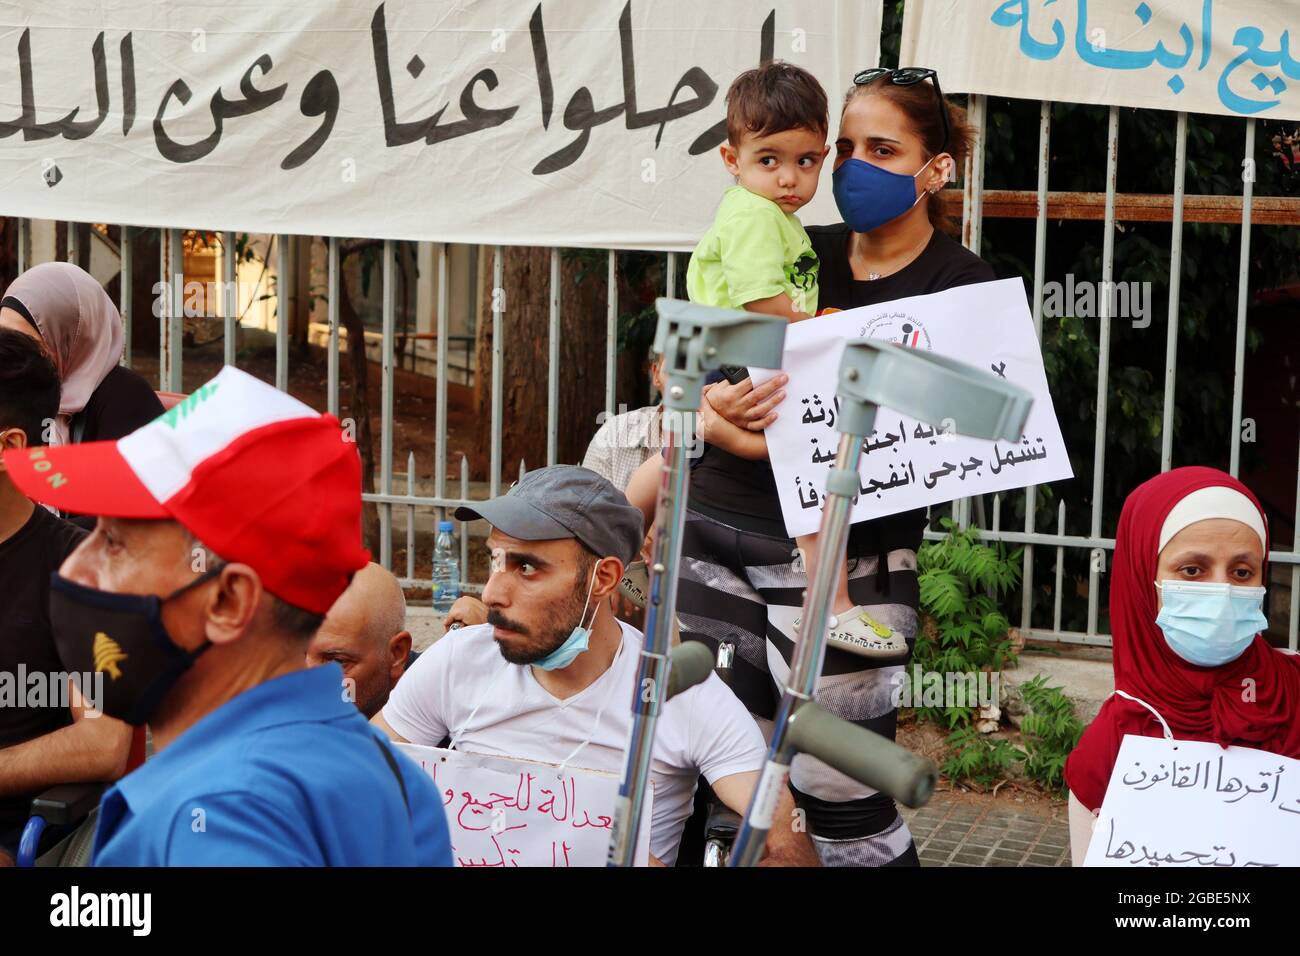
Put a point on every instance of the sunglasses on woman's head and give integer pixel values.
(909, 76)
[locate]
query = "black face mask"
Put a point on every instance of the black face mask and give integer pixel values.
(122, 637)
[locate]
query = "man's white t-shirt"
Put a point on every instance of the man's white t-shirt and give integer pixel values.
(704, 730)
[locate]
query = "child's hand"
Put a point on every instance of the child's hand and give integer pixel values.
(746, 406)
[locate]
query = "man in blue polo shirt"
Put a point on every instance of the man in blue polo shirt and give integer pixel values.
(227, 528)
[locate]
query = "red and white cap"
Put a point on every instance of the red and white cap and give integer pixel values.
(253, 473)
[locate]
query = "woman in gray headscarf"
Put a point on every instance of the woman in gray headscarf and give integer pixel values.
(70, 313)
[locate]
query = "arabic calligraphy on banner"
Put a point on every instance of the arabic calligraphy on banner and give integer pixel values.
(1186, 803)
(1232, 57)
(498, 121)
(511, 813)
(908, 464)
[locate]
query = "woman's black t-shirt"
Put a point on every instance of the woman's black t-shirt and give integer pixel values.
(742, 493)
(119, 405)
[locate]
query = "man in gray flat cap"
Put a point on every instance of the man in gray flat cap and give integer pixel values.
(550, 676)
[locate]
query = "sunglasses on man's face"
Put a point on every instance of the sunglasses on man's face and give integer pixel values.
(909, 76)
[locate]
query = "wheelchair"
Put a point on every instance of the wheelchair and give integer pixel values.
(712, 827)
(61, 828)
(68, 812)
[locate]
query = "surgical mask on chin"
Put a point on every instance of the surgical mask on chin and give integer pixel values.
(577, 641)
(868, 196)
(121, 640)
(1209, 624)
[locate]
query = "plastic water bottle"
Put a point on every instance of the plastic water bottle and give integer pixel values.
(446, 569)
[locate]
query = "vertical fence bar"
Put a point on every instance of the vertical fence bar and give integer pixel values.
(410, 516)
(164, 272)
(1040, 273)
(553, 365)
(333, 289)
(1060, 569)
(440, 386)
(70, 229)
(1103, 359)
(1293, 626)
(229, 297)
(498, 366)
(611, 333)
(977, 192)
(973, 228)
(126, 289)
(671, 291)
(1175, 293)
(464, 528)
(24, 245)
(174, 319)
(386, 407)
(1243, 294)
(282, 315)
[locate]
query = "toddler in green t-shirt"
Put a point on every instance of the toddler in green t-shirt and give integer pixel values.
(756, 256)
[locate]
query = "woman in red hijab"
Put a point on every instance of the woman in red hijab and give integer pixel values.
(1186, 593)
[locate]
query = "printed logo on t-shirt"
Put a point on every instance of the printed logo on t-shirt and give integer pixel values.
(803, 273)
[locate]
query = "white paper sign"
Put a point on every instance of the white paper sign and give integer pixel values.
(908, 464)
(510, 813)
(1186, 803)
(513, 122)
(1232, 57)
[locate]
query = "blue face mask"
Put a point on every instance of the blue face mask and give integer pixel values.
(1208, 623)
(868, 196)
(575, 643)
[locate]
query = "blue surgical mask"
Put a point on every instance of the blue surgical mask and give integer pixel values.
(577, 641)
(1209, 623)
(869, 196)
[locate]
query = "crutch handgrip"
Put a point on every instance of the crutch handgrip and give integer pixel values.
(692, 663)
(863, 755)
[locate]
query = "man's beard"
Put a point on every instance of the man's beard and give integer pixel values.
(539, 645)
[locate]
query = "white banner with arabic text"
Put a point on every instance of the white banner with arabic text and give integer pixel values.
(593, 123)
(1232, 57)
(908, 464)
(1195, 804)
(507, 813)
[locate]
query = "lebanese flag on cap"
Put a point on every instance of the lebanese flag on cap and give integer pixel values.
(256, 475)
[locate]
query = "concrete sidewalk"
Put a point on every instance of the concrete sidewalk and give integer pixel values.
(1085, 675)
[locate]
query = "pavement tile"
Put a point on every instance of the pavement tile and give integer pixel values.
(950, 833)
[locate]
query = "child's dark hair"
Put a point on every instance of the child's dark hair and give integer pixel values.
(919, 102)
(29, 386)
(773, 98)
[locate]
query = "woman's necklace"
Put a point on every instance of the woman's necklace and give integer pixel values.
(912, 253)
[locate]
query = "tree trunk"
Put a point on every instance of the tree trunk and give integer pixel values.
(525, 320)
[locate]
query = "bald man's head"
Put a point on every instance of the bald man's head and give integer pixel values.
(365, 632)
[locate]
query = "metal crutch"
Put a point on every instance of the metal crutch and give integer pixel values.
(927, 387)
(693, 339)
